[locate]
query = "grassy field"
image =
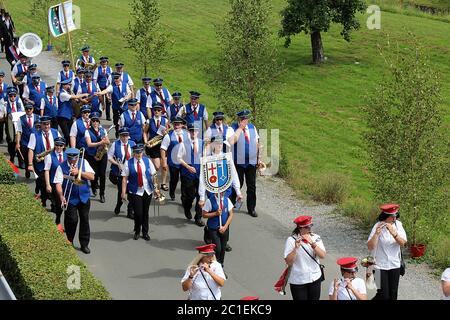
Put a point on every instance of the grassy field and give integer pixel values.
(317, 109)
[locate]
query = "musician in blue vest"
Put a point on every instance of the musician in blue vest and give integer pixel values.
(124, 76)
(64, 74)
(13, 105)
(49, 106)
(137, 178)
(32, 70)
(169, 152)
(75, 197)
(20, 70)
(189, 155)
(52, 162)
(220, 128)
(245, 154)
(160, 95)
(219, 212)
(25, 127)
(41, 142)
(85, 61)
(102, 76)
(79, 79)
(175, 107)
(65, 110)
(79, 127)
(143, 96)
(97, 140)
(134, 120)
(90, 87)
(119, 153)
(194, 112)
(3, 97)
(120, 93)
(34, 92)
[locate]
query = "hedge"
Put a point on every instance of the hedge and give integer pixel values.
(34, 257)
(6, 172)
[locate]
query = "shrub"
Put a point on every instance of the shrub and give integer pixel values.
(6, 173)
(34, 257)
(363, 211)
(331, 188)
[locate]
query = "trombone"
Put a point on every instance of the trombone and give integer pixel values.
(72, 180)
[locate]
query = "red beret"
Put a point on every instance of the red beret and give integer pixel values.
(303, 221)
(390, 208)
(206, 249)
(348, 263)
(250, 298)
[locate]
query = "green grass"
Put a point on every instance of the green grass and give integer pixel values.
(317, 109)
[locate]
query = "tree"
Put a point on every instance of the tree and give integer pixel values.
(145, 35)
(40, 8)
(407, 146)
(247, 64)
(315, 16)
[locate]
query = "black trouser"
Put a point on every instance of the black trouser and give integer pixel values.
(116, 118)
(250, 179)
(141, 206)
(220, 240)
(65, 125)
(54, 123)
(100, 172)
(2, 130)
(24, 151)
(174, 178)
(119, 197)
(40, 184)
(389, 280)
(56, 204)
(189, 192)
(308, 291)
(71, 222)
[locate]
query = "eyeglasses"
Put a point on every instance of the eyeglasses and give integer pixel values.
(158, 110)
(95, 120)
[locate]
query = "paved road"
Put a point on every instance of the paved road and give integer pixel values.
(132, 269)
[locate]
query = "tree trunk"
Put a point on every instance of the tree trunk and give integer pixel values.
(317, 47)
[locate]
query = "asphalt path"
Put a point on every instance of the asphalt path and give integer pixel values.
(131, 269)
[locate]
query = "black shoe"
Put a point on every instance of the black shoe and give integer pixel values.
(136, 236)
(228, 248)
(146, 237)
(27, 174)
(116, 210)
(22, 166)
(253, 214)
(86, 250)
(130, 215)
(200, 223)
(102, 198)
(188, 215)
(94, 192)
(164, 187)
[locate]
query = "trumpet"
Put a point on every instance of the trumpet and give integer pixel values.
(41, 156)
(77, 181)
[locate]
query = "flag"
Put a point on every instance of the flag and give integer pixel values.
(56, 19)
(15, 169)
(280, 285)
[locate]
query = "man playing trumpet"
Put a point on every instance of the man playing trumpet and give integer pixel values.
(71, 180)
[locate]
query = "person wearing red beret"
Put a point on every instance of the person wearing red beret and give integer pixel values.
(348, 287)
(302, 252)
(385, 242)
(204, 276)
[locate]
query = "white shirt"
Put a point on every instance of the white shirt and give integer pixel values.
(387, 250)
(92, 84)
(138, 114)
(26, 92)
(55, 100)
(208, 206)
(230, 132)
(342, 294)
(234, 177)
(130, 81)
(15, 71)
(304, 269)
(32, 142)
(186, 156)
(166, 141)
(183, 109)
(446, 277)
(48, 160)
(74, 128)
(64, 96)
(110, 89)
(199, 289)
(59, 176)
(19, 124)
(112, 150)
(87, 135)
(150, 101)
(95, 76)
(169, 113)
(138, 94)
(59, 76)
(126, 173)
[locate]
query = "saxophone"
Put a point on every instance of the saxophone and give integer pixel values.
(41, 156)
(155, 141)
(103, 149)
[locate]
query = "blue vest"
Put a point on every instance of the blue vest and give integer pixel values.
(214, 223)
(135, 126)
(26, 130)
(79, 193)
(94, 138)
(35, 96)
(19, 107)
(245, 154)
(65, 109)
(55, 164)
(132, 178)
(165, 102)
(125, 78)
(63, 75)
(40, 147)
(143, 101)
(174, 142)
(81, 130)
(50, 110)
(102, 80)
(174, 111)
(20, 70)
(153, 129)
(194, 160)
(116, 96)
(119, 155)
(81, 58)
(4, 94)
(77, 84)
(190, 113)
(215, 132)
(95, 103)
(14, 53)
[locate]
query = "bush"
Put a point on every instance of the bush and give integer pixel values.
(6, 173)
(363, 211)
(34, 257)
(331, 188)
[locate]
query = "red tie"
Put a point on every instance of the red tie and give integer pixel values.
(38, 88)
(47, 142)
(87, 125)
(246, 136)
(195, 113)
(134, 116)
(127, 154)
(146, 90)
(13, 108)
(60, 158)
(51, 100)
(195, 148)
(1, 88)
(25, 68)
(67, 75)
(29, 122)
(139, 172)
(157, 124)
(179, 139)
(221, 204)
(104, 71)
(220, 130)
(89, 87)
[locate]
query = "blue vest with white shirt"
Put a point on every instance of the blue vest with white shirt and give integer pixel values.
(95, 102)
(81, 130)
(166, 97)
(79, 194)
(133, 177)
(153, 131)
(50, 109)
(135, 126)
(26, 130)
(19, 107)
(116, 96)
(173, 143)
(245, 154)
(143, 100)
(95, 138)
(62, 75)
(102, 79)
(36, 96)
(65, 109)
(55, 164)
(214, 223)
(40, 147)
(119, 155)
(194, 159)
